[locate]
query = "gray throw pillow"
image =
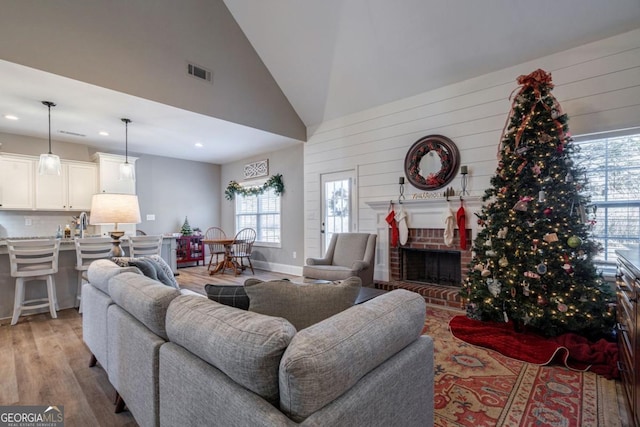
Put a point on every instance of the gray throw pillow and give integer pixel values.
(161, 264)
(231, 295)
(147, 268)
(301, 304)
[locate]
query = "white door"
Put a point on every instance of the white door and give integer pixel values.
(338, 205)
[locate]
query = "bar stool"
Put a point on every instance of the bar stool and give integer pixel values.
(33, 260)
(89, 249)
(145, 245)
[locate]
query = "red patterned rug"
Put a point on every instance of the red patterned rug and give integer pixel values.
(479, 387)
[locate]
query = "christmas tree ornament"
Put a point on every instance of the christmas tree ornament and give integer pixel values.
(550, 237)
(490, 253)
(485, 273)
(478, 267)
(513, 292)
(541, 268)
(562, 308)
(548, 211)
(567, 267)
(531, 275)
(542, 196)
(568, 178)
(503, 262)
(502, 233)
(536, 170)
(525, 289)
(494, 287)
(541, 301)
(487, 243)
(535, 243)
(574, 241)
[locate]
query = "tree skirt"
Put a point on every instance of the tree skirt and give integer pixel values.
(572, 350)
(478, 387)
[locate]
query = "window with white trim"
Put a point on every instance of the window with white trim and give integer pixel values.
(612, 167)
(262, 213)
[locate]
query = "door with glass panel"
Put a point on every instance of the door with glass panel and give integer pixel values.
(338, 205)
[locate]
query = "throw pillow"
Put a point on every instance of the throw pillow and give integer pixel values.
(231, 295)
(301, 304)
(165, 274)
(121, 261)
(145, 266)
(165, 267)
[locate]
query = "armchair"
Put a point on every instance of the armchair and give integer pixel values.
(348, 254)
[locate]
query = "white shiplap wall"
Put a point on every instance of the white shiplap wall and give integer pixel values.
(597, 84)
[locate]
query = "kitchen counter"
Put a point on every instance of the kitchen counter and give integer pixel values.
(66, 278)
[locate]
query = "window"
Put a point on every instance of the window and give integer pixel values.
(262, 213)
(612, 168)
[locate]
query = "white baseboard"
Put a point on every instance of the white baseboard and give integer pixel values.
(293, 270)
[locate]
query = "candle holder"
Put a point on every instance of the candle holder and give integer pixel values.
(464, 171)
(401, 183)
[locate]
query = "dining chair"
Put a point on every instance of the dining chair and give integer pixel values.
(145, 245)
(89, 249)
(215, 249)
(242, 247)
(32, 260)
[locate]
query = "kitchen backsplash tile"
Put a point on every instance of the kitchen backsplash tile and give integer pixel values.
(13, 223)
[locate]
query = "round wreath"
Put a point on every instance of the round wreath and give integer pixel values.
(449, 158)
(339, 202)
(274, 182)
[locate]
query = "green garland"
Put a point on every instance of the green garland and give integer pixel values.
(274, 182)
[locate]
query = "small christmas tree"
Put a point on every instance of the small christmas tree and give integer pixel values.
(186, 228)
(533, 258)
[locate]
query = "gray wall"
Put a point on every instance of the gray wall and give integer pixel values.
(171, 189)
(142, 48)
(289, 163)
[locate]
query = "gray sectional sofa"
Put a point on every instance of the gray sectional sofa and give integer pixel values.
(184, 360)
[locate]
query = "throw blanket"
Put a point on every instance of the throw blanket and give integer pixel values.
(574, 351)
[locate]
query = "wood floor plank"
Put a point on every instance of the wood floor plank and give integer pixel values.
(8, 380)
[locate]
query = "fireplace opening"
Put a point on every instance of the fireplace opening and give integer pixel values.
(431, 266)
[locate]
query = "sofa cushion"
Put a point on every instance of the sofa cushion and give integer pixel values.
(231, 295)
(102, 270)
(329, 272)
(246, 346)
(145, 299)
(327, 359)
(301, 304)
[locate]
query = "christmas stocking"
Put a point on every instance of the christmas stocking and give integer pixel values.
(449, 224)
(462, 227)
(391, 219)
(401, 218)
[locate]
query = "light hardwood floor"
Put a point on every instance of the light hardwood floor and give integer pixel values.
(44, 361)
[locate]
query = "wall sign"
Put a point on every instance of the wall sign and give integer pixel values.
(256, 169)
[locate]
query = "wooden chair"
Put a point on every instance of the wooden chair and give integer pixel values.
(88, 250)
(217, 250)
(242, 247)
(32, 260)
(145, 245)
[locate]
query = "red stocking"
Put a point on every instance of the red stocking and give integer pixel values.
(391, 219)
(462, 227)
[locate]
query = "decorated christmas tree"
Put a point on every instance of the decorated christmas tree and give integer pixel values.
(533, 256)
(186, 228)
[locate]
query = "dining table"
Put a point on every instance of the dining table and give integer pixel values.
(227, 261)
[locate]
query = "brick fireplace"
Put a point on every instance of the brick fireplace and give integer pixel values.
(433, 239)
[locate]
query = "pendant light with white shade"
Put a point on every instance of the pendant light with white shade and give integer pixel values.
(127, 170)
(49, 164)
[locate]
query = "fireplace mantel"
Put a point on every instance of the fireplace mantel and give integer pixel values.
(422, 213)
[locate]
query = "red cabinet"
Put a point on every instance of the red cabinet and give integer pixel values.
(189, 249)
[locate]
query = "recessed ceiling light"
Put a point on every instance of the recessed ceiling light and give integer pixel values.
(10, 117)
(199, 145)
(104, 133)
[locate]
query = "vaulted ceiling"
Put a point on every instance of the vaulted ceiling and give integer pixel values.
(331, 58)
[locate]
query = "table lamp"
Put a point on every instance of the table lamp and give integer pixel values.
(110, 208)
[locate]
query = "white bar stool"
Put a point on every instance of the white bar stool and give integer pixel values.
(145, 245)
(33, 260)
(89, 249)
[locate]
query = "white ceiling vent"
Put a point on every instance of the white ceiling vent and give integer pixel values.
(199, 72)
(72, 133)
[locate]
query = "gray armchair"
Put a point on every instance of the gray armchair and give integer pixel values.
(348, 254)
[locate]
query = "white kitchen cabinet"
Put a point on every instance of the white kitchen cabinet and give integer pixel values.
(71, 190)
(109, 174)
(17, 182)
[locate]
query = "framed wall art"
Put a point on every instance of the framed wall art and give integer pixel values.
(256, 169)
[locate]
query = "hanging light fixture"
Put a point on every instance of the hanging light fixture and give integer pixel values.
(127, 170)
(49, 163)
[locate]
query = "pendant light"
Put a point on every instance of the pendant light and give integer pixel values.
(127, 170)
(49, 163)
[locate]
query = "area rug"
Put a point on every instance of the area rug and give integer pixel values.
(479, 387)
(571, 350)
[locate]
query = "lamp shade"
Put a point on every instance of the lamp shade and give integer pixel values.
(109, 208)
